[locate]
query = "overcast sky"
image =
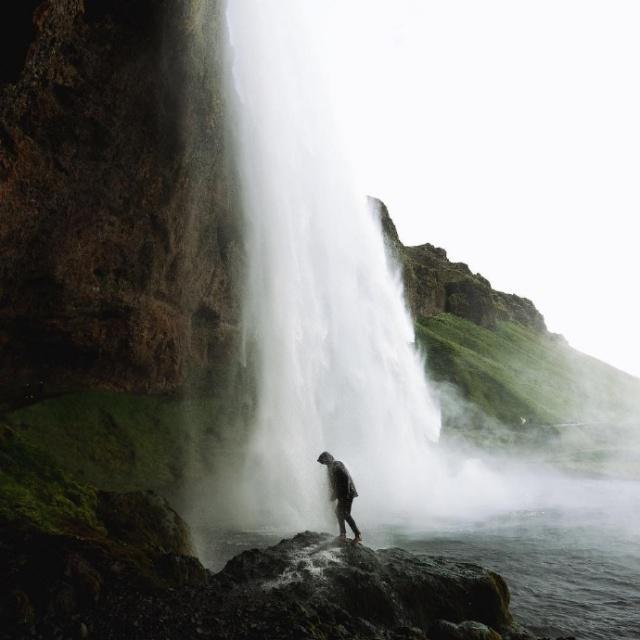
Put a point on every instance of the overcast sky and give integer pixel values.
(507, 132)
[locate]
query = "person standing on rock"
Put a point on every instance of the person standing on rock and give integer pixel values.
(344, 491)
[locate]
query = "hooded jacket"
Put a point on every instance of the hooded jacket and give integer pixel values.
(341, 483)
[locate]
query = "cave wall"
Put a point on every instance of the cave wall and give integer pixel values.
(116, 228)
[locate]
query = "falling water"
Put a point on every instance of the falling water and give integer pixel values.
(324, 316)
(325, 324)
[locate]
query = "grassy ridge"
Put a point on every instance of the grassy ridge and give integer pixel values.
(514, 373)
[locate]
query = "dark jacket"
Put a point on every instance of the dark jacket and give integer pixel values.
(341, 482)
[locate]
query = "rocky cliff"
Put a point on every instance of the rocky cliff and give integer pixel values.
(116, 227)
(433, 284)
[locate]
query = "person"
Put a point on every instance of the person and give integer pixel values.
(344, 491)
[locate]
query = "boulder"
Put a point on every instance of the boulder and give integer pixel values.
(309, 586)
(145, 520)
(389, 590)
(180, 570)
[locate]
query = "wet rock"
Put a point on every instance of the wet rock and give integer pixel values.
(467, 630)
(389, 588)
(308, 586)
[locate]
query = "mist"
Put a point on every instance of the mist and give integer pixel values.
(327, 344)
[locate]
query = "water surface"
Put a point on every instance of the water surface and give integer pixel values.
(571, 571)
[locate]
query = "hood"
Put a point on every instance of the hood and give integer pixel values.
(325, 457)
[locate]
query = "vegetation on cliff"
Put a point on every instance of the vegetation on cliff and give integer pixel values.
(514, 373)
(36, 494)
(115, 441)
(513, 386)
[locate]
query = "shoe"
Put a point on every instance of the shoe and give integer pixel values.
(357, 539)
(342, 537)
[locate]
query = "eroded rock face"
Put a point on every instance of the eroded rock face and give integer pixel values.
(115, 221)
(433, 284)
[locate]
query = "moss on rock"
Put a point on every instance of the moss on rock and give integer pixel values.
(117, 441)
(35, 493)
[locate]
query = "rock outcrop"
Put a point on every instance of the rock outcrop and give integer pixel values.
(136, 542)
(116, 232)
(310, 586)
(433, 284)
(348, 590)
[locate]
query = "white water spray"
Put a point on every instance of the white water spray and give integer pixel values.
(325, 324)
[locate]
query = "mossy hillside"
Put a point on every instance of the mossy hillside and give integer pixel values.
(117, 441)
(514, 373)
(35, 494)
(61, 536)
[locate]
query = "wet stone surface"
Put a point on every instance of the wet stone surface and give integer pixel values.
(309, 586)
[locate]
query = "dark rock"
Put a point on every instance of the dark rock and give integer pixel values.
(116, 230)
(84, 576)
(16, 608)
(181, 570)
(467, 630)
(309, 586)
(144, 519)
(389, 588)
(471, 299)
(62, 601)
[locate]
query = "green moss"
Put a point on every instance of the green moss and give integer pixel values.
(36, 494)
(513, 372)
(116, 441)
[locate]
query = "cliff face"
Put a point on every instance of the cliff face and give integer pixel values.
(115, 218)
(117, 225)
(433, 284)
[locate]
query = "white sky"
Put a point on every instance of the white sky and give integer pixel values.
(507, 132)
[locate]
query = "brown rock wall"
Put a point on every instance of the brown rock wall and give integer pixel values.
(115, 221)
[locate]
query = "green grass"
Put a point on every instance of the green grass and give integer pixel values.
(116, 441)
(513, 372)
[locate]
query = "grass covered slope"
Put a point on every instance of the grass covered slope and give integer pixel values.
(522, 377)
(116, 441)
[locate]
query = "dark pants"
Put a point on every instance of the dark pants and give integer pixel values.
(343, 512)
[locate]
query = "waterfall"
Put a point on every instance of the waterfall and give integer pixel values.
(325, 324)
